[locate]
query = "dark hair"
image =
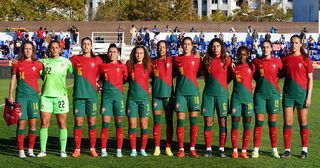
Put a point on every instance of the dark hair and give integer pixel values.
(105, 57)
(239, 52)
(50, 44)
(302, 51)
(132, 60)
(267, 41)
(223, 56)
(186, 38)
(112, 45)
(88, 38)
(158, 45)
(23, 56)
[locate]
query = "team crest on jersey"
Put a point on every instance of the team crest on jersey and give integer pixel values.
(118, 69)
(300, 65)
(274, 66)
(155, 104)
(34, 68)
(92, 64)
(62, 65)
(249, 71)
(192, 63)
(168, 65)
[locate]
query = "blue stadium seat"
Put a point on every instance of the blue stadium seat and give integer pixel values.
(1, 43)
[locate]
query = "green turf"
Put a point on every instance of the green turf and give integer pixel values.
(8, 149)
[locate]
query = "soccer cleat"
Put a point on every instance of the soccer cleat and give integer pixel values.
(286, 154)
(275, 154)
(255, 154)
(42, 154)
(244, 155)
(22, 155)
(93, 153)
(63, 154)
(30, 153)
(222, 154)
(208, 153)
(119, 154)
(76, 153)
(133, 153)
(193, 153)
(180, 154)
(104, 153)
(168, 152)
(156, 151)
(235, 155)
(143, 153)
(304, 155)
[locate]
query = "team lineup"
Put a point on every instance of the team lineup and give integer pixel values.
(108, 74)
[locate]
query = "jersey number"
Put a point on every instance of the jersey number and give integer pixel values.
(48, 70)
(61, 104)
(21, 75)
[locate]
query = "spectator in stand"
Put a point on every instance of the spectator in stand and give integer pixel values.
(133, 32)
(176, 29)
(249, 30)
(11, 50)
(33, 41)
(53, 36)
(120, 32)
(303, 36)
(167, 29)
(282, 39)
(193, 30)
(180, 37)
(155, 30)
(17, 48)
(146, 41)
(273, 29)
(234, 40)
(259, 51)
(310, 45)
(202, 37)
(18, 35)
(67, 45)
(40, 36)
(7, 29)
(221, 37)
(26, 36)
(267, 37)
(255, 36)
(139, 40)
(74, 34)
(305, 30)
(253, 52)
(61, 35)
(232, 30)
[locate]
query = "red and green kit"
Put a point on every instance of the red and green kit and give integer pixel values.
(162, 78)
(241, 99)
(295, 86)
(267, 91)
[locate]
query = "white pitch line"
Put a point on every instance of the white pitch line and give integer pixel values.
(66, 87)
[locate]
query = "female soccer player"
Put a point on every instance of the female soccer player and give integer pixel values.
(187, 95)
(297, 91)
(86, 73)
(266, 97)
(241, 101)
(24, 78)
(54, 96)
(138, 99)
(113, 75)
(162, 96)
(215, 93)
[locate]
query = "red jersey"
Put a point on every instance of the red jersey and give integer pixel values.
(187, 67)
(162, 77)
(27, 73)
(138, 79)
(113, 76)
(86, 73)
(243, 75)
(296, 69)
(267, 76)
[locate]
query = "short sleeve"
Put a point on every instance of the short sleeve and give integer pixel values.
(14, 69)
(125, 72)
(70, 67)
(309, 66)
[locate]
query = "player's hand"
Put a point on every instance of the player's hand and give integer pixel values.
(307, 103)
(14, 61)
(11, 100)
(233, 65)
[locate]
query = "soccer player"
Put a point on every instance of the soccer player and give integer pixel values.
(297, 91)
(162, 96)
(85, 98)
(113, 75)
(241, 101)
(54, 96)
(215, 94)
(138, 99)
(24, 78)
(187, 95)
(266, 97)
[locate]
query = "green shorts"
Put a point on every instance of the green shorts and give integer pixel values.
(293, 102)
(190, 103)
(138, 108)
(29, 107)
(212, 103)
(85, 107)
(271, 106)
(238, 108)
(112, 106)
(162, 103)
(55, 105)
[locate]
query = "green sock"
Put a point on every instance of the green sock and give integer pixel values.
(43, 139)
(63, 139)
